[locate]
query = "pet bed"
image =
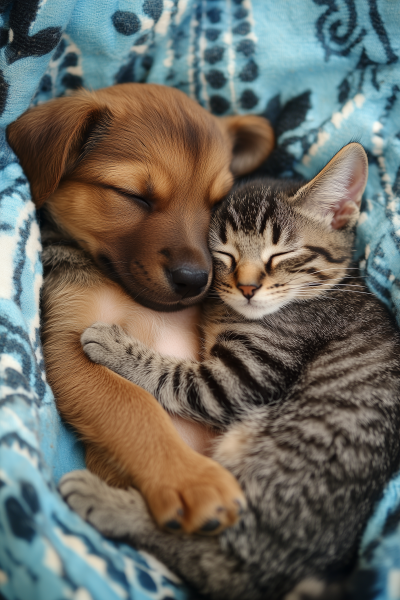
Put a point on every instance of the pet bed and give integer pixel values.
(324, 72)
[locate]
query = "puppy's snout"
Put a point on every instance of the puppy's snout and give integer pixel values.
(188, 281)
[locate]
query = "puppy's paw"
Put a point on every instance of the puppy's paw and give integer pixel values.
(108, 345)
(199, 497)
(114, 512)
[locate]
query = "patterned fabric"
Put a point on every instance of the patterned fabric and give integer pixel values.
(324, 72)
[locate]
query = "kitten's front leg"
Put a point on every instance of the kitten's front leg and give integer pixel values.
(110, 346)
(211, 392)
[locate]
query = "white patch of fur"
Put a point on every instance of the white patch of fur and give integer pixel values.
(172, 334)
(232, 445)
(308, 588)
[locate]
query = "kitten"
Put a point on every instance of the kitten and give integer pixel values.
(301, 374)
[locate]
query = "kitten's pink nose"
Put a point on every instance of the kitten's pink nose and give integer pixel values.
(248, 291)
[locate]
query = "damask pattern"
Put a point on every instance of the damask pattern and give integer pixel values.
(324, 72)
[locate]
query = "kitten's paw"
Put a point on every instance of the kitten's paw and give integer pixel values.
(108, 344)
(197, 496)
(114, 512)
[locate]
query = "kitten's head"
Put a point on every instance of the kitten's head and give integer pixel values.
(274, 242)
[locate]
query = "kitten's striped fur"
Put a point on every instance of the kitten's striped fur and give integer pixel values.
(301, 373)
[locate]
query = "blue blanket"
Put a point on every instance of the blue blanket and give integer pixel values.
(324, 72)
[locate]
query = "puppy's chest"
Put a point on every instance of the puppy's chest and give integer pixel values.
(174, 334)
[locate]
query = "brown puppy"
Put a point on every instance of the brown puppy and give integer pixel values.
(130, 174)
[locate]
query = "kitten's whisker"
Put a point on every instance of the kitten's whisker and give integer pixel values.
(319, 284)
(339, 278)
(337, 268)
(308, 284)
(352, 292)
(348, 285)
(300, 274)
(348, 291)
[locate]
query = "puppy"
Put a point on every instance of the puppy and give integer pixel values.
(128, 176)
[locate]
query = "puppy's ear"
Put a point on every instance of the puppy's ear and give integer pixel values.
(253, 140)
(49, 139)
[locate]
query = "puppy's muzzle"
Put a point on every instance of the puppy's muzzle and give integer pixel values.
(188, 281)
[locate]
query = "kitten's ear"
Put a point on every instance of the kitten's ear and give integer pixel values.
(334, 195)
(253, 140)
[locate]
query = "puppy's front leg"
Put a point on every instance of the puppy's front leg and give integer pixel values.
(183, 489)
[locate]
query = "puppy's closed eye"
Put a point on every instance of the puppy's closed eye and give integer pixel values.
(135, 197)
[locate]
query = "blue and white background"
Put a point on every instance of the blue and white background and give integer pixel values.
(324, 72)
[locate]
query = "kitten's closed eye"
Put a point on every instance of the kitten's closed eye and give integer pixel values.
(275, 259)
(228, 259)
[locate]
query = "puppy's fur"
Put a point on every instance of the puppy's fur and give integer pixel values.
(129, 174)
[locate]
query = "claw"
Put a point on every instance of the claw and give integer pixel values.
(174, 525)
(211, 525)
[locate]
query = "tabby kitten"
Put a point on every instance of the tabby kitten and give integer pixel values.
(301, 374)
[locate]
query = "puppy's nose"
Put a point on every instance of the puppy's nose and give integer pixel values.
(189, 282)
(248, 291)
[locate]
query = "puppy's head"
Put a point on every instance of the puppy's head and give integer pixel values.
(132, 172)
